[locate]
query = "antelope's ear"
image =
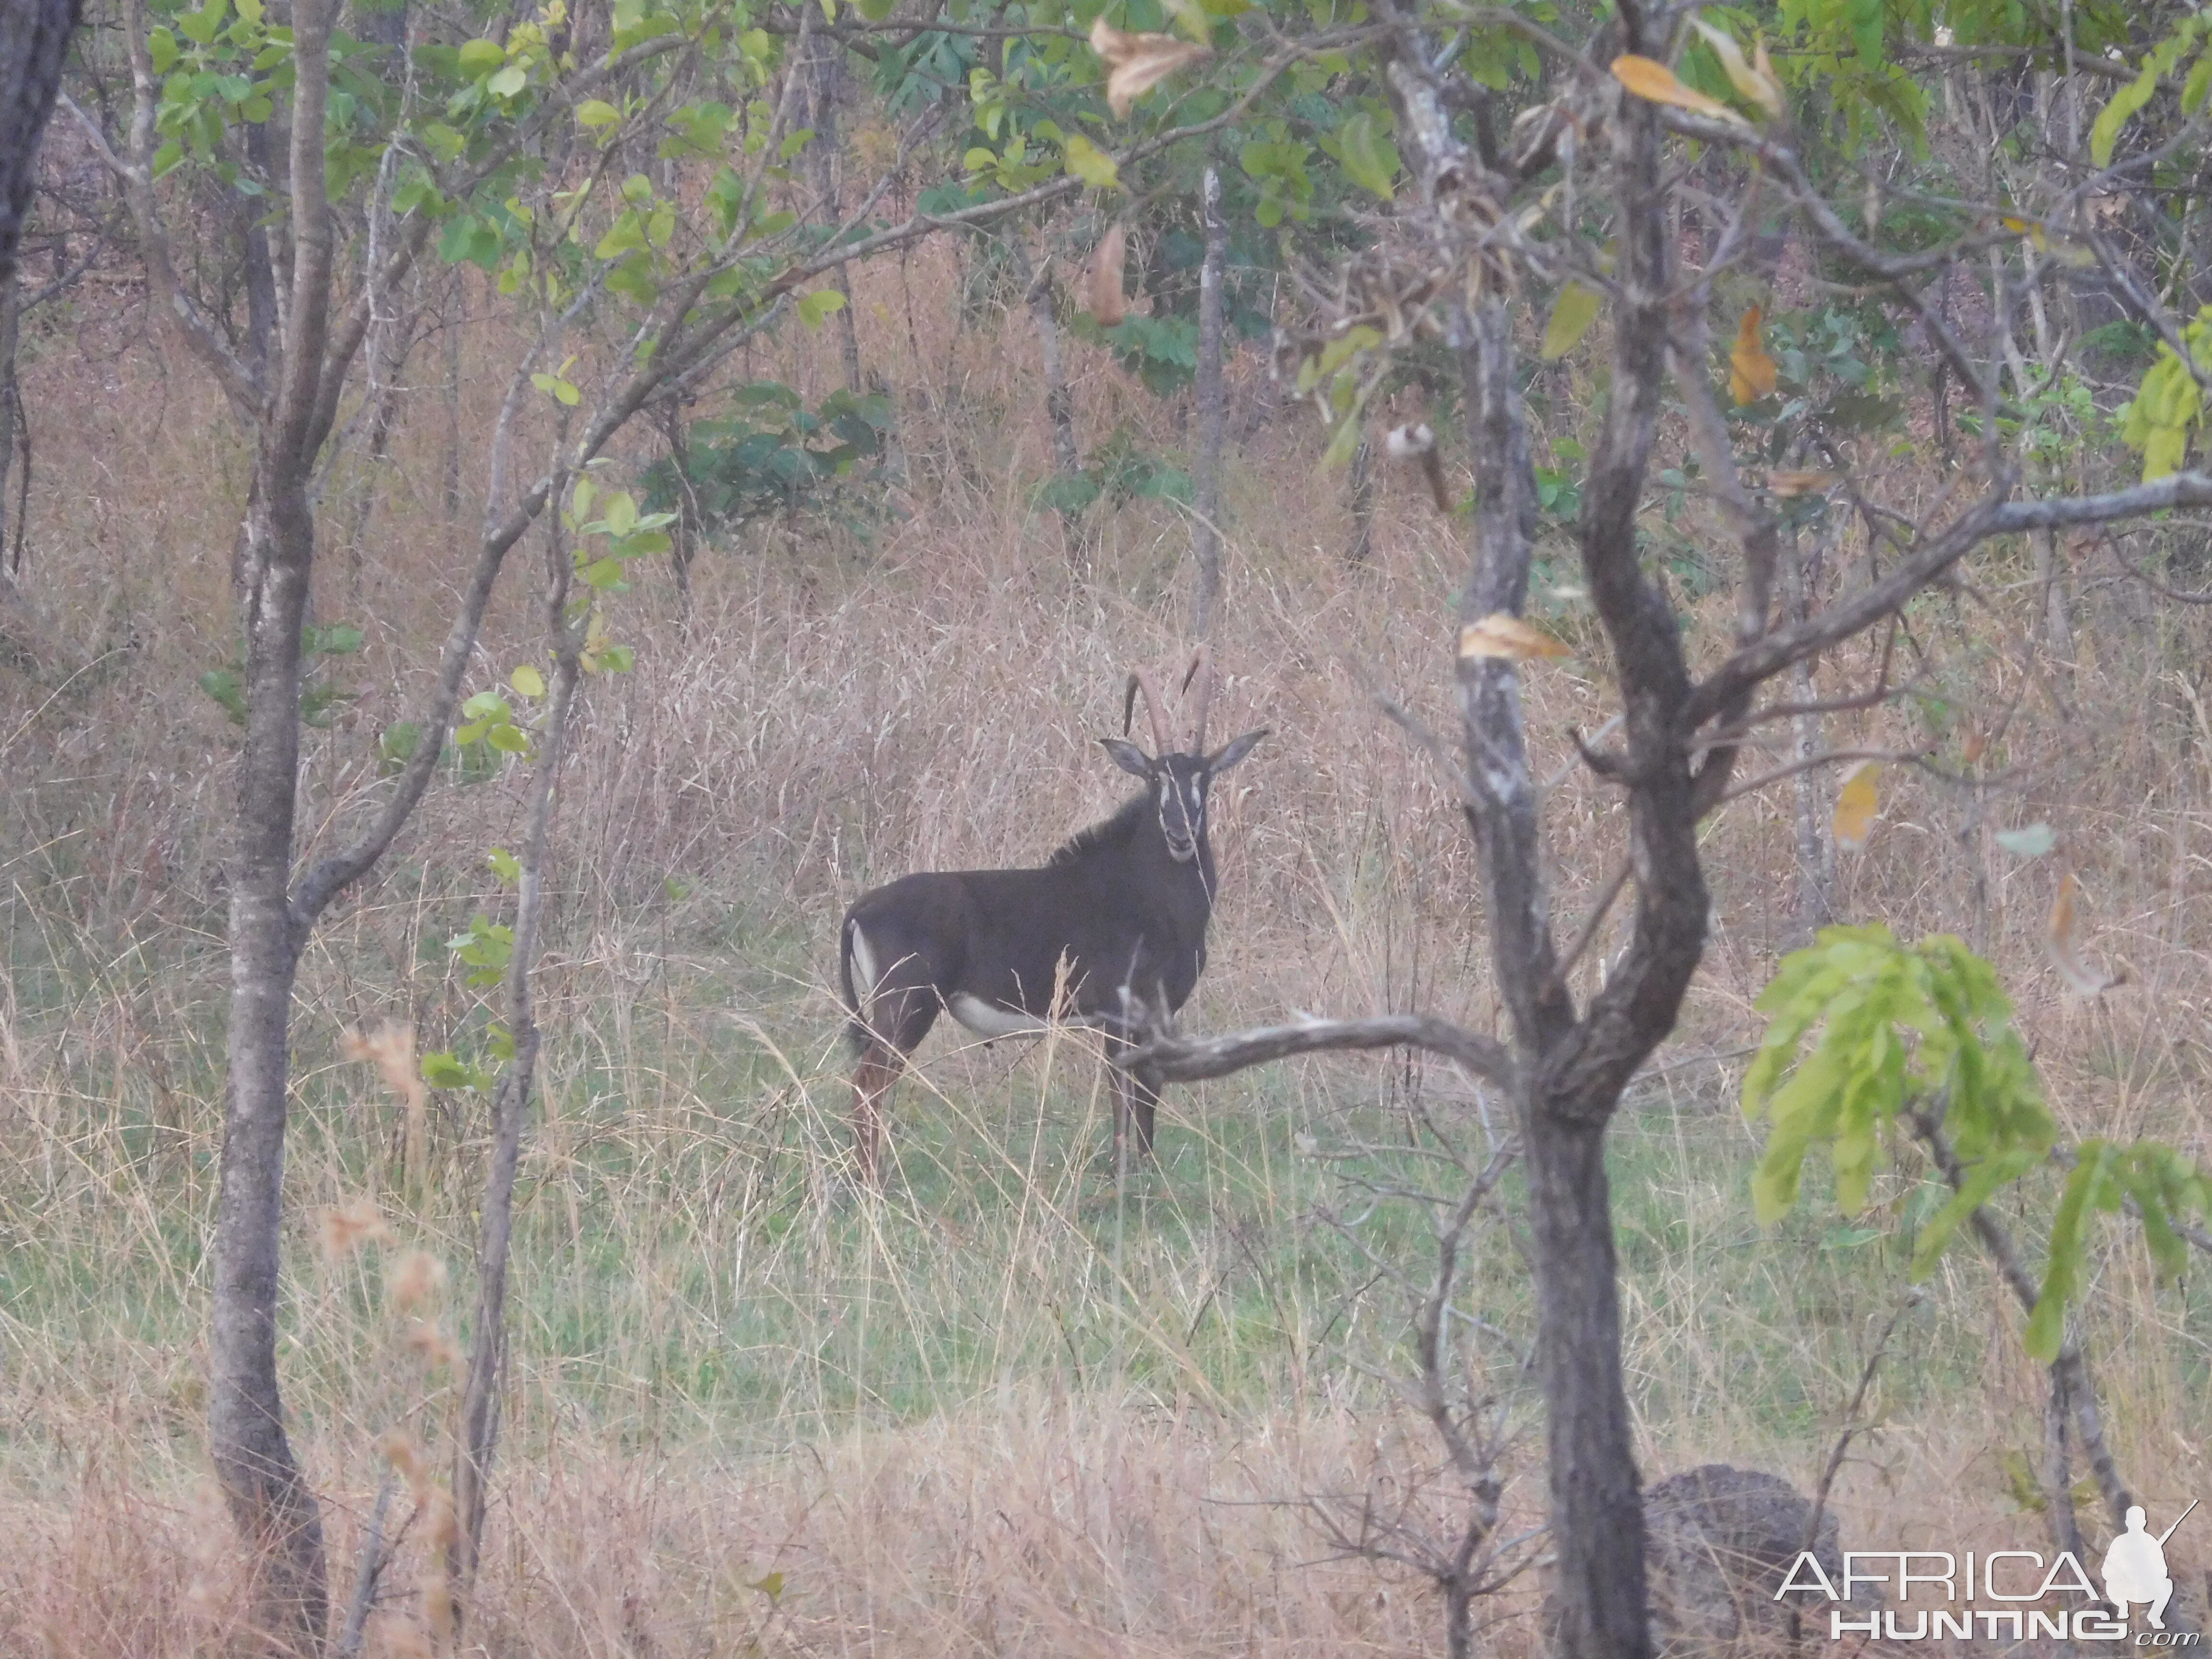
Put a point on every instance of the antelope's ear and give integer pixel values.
(1128, 756)
(1234, 751)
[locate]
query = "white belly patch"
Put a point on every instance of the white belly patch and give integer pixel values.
(989, 1019)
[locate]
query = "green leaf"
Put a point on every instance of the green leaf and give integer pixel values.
(228, 687)
(1086, 162)
(2031, 841)
(331, 639)
(161, 47)
(507, 82)
(445, 1070)
(819, 306)
(398, 744)
(795, 143)
(597, 112)
(2117, 114)
(505, 866)
(1572, 313)
(481, 57)
(1363, 145)
(528, 681)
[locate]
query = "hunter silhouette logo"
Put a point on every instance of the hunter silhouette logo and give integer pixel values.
(2135, 1567)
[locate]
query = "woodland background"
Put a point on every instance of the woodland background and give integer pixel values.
(1013, 1407)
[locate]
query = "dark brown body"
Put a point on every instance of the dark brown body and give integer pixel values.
(1114, 924)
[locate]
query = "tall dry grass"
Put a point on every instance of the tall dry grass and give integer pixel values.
(1004, 1410)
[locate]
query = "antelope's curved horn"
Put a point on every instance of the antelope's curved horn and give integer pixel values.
(1201, 670)
(1155, 709)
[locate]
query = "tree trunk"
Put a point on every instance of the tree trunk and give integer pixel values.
(10, 400)
(267, 1493)
(34, 34)
(1206, 545)
(826, 77)
(1059, 400)
(1359, 491)
(1597, 1507)
(479, 1437)
(262, 1480)
(1816, 847)
(1597, 1517)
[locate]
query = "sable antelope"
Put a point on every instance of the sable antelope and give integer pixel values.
(1123, 905)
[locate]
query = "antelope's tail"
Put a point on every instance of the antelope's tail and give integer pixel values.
(856, 1031)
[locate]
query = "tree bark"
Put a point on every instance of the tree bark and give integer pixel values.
(479, 1437)
(34, 34)
(826, 75)
(1206, 545)
(253, 1459)
(1359, 493)
(1059, 400)
(1597, 1516)
(10, 400)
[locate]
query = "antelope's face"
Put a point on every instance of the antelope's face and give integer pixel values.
(1179, 784)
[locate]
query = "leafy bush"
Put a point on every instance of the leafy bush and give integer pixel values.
(771, 455)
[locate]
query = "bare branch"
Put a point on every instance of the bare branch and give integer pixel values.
(1185, 1060)
(1991, 516)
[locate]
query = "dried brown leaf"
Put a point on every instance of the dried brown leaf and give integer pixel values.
(1507, 636)
(1803, 483)
(2059, 945)
(1136, 64)
(1102, 281)
(1752, 373)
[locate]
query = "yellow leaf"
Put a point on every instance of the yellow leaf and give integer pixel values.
(1751, 371)
(528, 681)
(1135, 64)
(1503, 635)
(1572, 313)
(1747, 80)
(2058, 944)
(1102, 284)
(1655, 82)
(1857, 807)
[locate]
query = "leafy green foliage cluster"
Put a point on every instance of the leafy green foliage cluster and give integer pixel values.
(771, 455)
(2169, 405)
(321, 699)
(1925, 1033)
(1120, 471)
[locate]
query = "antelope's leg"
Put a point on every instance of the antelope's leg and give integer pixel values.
(897, 1020)
(1144, 1086)
(871, 1080)
(1136, 1098)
